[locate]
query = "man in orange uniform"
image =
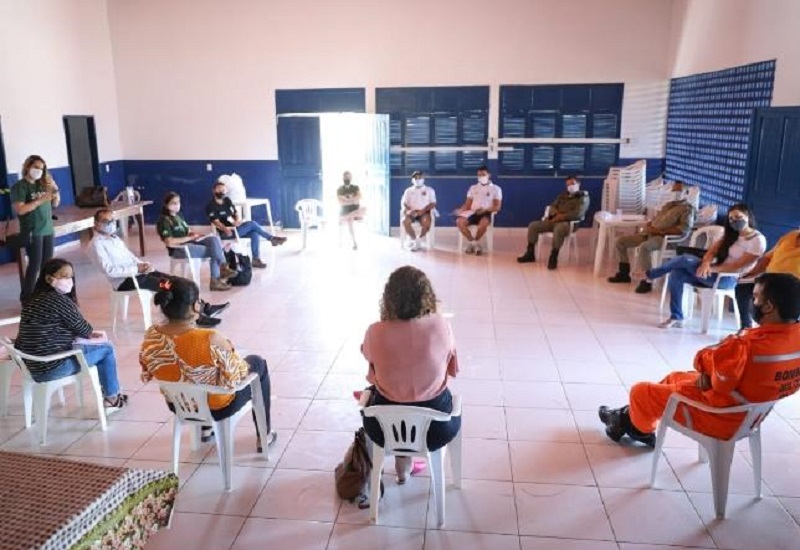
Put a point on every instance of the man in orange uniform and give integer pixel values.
(757, 365)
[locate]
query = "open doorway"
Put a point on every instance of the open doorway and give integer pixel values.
(314, 150)
(82, 152)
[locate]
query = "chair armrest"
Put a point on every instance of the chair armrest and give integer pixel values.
(9, 321)
(53, 357)
(364, 399)
(456, 406)
(716, 410)
(244, 383)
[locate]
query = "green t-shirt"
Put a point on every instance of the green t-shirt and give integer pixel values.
(172, 226)
(39, 221)
(347, 191)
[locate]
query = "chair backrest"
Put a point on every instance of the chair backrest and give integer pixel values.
(704, 237)
(405, 428)
(190, 400)
(309, 210)
(17, 356)
(122, 196)
(756, 413)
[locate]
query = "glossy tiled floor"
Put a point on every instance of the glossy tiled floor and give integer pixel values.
(539, 352)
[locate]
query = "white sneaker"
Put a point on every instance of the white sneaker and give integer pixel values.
(420, 243)
(470, 248)
(671, 323)
(412, 245)
(478, 249)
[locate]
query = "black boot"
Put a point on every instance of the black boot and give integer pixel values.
(529, 256)
(612, 418)
(644, 287)
(648, 439)
(623, 275)
(552, 262)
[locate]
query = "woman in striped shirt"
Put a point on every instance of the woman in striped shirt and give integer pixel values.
(51, 321)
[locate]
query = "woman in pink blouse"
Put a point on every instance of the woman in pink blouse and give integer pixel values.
(411, 353)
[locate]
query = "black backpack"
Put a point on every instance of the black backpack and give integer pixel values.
(242, 265)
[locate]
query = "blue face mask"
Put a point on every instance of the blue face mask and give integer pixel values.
(739, 224)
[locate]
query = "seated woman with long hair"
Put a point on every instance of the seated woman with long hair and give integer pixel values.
(175, 233)
(50, 323)
(736, 252)
(178, 351)
(411, 354)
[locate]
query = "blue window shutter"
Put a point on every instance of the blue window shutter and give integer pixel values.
(572, 158)
(474, 128)
(573, 126)
(604, 125)
(445, 161)
(396, 130)
(602, 157)
(445, 130)
(544, 124)
(513, 126)
(418, 160)
(418, 130)
(396, 162)
(472, 160)
(543, 157)
(513, 161)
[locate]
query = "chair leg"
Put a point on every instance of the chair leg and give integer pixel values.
(78, 391)
(114, 308)
(98, 396)
(436, 461)
(144, 300)
(755, 453)
(455, 459)
(5, 387)
(176, 443)
(27, 402)
(660, 436)
(720, 458)
(125, 304)
(41, 400)
(224, 437)
(375, 482)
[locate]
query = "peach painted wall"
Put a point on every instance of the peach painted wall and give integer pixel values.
(196, 78)
(709, 35)
(55, 60)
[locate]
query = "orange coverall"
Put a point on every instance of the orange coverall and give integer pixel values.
(763, 364)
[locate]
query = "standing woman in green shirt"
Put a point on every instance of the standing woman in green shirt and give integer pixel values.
(33, 199)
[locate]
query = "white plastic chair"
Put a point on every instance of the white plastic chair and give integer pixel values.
(241, 245)
(122, 298)
(311, 214)
(489, 237)
(405, 433)
(572, 239)
(7, 369)
(191, 408)
(714, 297)
(180, 264)
(718, 452)
(37, 395)
(430, 237)
(124, 196)
(705, 236)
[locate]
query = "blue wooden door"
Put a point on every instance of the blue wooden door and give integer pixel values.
(772, 189)
(376, 167)
(300, 156)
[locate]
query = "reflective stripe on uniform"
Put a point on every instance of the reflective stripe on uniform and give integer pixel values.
(776, 358)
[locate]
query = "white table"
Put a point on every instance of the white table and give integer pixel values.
(606, 223)
(247, 205)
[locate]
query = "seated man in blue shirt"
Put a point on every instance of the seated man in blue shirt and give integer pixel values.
(224, 217)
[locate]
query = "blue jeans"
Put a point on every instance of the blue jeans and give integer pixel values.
(682, 270)
(210, 247)
(252, 231)
(101, 355)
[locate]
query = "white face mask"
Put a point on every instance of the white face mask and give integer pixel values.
(419, 182)
(63, 286)
(483, 180)
(35, 173)
(109, 228)
(174, 208)
(677, 195)
(574, 188)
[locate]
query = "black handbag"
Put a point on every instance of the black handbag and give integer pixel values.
(92, 197)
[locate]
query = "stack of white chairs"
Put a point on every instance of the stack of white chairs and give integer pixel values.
(624, 188)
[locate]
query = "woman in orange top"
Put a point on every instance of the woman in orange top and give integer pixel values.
(411, 354)
(180, 352)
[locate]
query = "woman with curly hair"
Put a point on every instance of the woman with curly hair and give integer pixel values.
(411, 353)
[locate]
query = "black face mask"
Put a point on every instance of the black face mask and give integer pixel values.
(219, 195)
(347, 182)
(758, 313)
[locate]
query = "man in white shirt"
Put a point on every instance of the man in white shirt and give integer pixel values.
(418, 202)
(121, 265)
(483, 199)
